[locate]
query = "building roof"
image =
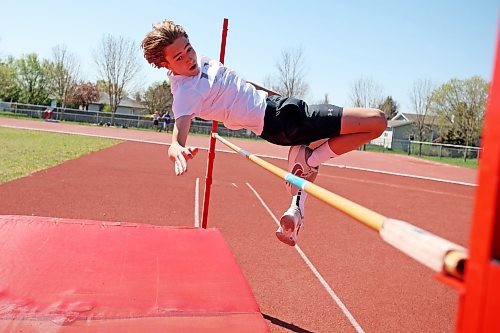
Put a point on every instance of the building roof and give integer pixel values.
(398, 123)
(125, 102)
(413, 117)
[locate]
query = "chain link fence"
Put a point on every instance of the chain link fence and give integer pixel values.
(420, 148)
(443, 150)
(199, 126)
(106, 119)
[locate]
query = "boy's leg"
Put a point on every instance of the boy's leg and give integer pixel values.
(358, 126)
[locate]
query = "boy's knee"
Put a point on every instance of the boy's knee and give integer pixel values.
(379, 121)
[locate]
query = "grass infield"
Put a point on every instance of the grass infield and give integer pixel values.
(470, 163)
(23, 152)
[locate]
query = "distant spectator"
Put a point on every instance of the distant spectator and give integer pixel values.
(155, 118)
(166, 121)
(47, 114)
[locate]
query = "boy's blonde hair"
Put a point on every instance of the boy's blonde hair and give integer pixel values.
(155, 42)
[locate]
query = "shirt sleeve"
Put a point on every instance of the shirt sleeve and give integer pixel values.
(186, 103)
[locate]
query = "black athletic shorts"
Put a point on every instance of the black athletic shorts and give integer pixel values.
(290, 121)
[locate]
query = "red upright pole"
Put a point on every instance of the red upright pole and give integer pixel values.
(211, 151)
(479, 309)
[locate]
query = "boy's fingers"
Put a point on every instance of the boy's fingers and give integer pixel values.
(180, 161)
(180, 165)
(176, 168)
(190, 153)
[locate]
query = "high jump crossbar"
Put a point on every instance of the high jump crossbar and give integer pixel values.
(436, 253)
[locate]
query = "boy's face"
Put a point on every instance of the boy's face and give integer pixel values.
(180, 58)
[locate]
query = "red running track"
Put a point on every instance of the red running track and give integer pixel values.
(380, 289)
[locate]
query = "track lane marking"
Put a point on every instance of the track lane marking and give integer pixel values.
(259, 155)
(402, 187)
(197, 203)
(309, 264)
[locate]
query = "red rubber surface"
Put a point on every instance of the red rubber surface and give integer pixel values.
(384, 290)
(59, 275)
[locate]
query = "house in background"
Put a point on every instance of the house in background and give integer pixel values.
(396, 131)
(127, 106)
(401, 128)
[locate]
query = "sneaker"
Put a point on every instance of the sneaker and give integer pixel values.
(290, 224)
(297, 165)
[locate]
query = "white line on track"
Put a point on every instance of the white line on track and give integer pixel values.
(380, 171)
(396, 185)
(309, 264)
(404, 175)
(86, 134)
(197, 203)
(261, 156)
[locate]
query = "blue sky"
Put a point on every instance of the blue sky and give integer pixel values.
(392, 42)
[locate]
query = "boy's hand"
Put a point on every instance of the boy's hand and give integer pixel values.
(179, 155)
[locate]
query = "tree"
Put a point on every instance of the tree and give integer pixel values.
(9, 90)
(421, 100)
(118, 64)
(65, 74)
(290, 80)
(34, 79)
(459, 106)
(366, 93)
(158, 97)
(326, 99)
(83, 94)
(389, 107)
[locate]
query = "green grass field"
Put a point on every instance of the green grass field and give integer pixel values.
(470, 163)
(23, 152)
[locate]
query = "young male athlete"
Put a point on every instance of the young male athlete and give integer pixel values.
(207, 89)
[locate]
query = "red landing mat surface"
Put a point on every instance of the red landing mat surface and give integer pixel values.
(60, 275)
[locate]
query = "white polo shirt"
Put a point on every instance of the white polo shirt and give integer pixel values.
(218, 93)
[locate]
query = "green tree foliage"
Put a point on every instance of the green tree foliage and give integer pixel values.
(34, 79)
(459, 106)
(102, 86)
(158, 97)
(326, 99)
(106, 108)
(389, 107)
(9, 90)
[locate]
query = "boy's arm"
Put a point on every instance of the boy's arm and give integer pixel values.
(178, 152)
(269, 92)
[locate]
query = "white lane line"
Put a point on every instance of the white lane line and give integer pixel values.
(234, 185)
(404, 175)
(197, 203)
(401, 187)
(86, 134)
(398, 174)
(309, 264)
(227, 150)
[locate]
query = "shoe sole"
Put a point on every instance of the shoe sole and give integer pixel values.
(286, 223)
